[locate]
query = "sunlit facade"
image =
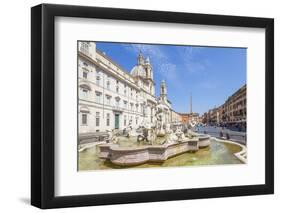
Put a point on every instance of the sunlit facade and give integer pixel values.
(113, 98)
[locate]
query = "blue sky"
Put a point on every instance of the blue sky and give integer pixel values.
(211, 74)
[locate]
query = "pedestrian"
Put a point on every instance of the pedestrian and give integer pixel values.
(227, 136)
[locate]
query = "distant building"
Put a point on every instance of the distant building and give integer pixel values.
(191, 117)
(187, 118)
(232, 113)
(184, 117)
(194, 117)
(234, 110)
(214, 116)
(175, 117)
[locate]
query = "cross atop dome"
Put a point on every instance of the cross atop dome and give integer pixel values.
(140, 58)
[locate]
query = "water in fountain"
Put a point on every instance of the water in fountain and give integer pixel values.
(217, 154)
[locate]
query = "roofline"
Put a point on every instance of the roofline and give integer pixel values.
(96, 63)
(113, 62)
(229, 97)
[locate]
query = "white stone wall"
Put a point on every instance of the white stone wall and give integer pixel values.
(98, 79)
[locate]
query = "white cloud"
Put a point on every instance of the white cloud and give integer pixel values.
(159, 59)
(192, 60)
(189, 60)
(152, 51)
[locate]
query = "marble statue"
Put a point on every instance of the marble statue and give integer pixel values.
(112, 138)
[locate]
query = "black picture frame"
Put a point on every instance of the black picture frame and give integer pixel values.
(43, 105)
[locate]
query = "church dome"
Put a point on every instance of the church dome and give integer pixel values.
(138, 70)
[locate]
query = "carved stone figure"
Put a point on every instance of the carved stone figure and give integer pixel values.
(179, 133)
(148, 135)
(171, 138)
(112, 137)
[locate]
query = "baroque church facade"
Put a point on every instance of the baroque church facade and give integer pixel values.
(112, 98)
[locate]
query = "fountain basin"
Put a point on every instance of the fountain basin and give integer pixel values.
(203, 140)
(129, 156)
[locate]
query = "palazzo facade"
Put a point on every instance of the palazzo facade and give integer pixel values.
(112, 98)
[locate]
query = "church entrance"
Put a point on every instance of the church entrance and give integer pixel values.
(117, 117)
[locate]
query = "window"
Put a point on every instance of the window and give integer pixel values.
(117, 86)
(108, 83)
(125, 104)
(125, 121)
(107, 119)
(108, 99)
(85, 74)
(98, 97)
(117, 102)
(125, 90)
(84, 119)
(98, 78)
(136, 120)
(97, 119)
(84, 93)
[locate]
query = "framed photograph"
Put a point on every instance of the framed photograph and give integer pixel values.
(139, 106)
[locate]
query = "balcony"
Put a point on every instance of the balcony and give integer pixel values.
(117, 108)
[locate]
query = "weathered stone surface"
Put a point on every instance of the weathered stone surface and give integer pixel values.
(125, 156)
(204, 141)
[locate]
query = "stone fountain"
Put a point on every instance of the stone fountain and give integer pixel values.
(129, 131)
(148, 134)
(174, 143)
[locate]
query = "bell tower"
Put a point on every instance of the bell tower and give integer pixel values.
(148, 69)
(149, 76)
(163, 91)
